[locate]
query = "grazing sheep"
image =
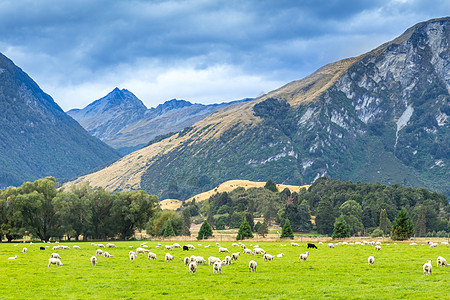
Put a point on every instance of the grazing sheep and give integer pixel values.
(212, 260)
(41, 248)
(320, 243)
(221, 249)
(54, 261)
(433, 245)
(268, 257)
(64, 247)
(371, 260)
(169, 257)
(227, 260)
(248, 251)
(234, 245)
(217, 267)
(93, 260)
(176, 245)
(252, 266)
(12, 258)
(187, 261)
(280, 255)
(168, 247)
(200, 260)
(106, 254)
(100, 245)
(110, 245)
(99, 252)
(444, 243)
(330, 245)
(76, 247)
(441, 262)
(295, 244)
(427, 268)
(151, 255)
(217, 244)
(378, 243)
(256, 246)
(378, 248)
(311, 246)
(55, 247)
(259, 251)
(132, 255)
(24, 250)
(55, 255)
(185, 248)
(303, 257)
(191, 246)
(235, 256)
(143, 244)
(243, 246)
(192, 267)
(344, 243)
(141, 250)
(94, 244)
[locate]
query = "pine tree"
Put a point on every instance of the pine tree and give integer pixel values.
(385, 224)
(325, 217)
(244, 231)
(168, 230)
(341, 228)
(421, 222)
(271, 186)
(287, 230)
(402, 228)
(205, 231)
(186, 222)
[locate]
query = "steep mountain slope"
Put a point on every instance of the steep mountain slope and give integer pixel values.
(37, 138)
(380, 117)
(122, 121)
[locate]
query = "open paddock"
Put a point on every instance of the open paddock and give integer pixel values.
(340, 272)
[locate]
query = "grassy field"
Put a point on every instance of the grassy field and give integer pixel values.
(339, 273)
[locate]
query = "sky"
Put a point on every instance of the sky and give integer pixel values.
(205, 51)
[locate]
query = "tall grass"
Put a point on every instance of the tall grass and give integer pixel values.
(339, 273)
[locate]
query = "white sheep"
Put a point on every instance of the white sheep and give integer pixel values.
(441, 262)
(192, 267)
(243, 246)
(187, 261)
(151, 255)
(221, 249)
(320, 243)
(192, 246)
(93, 260)
(55, 247)
(193, 257)
(141, 250)
(252, 266)
(200, 260)
(176, 245)
(303, 256)
(248, 251)
(168, 247)
(94, 244)
(280, 255)
(106, 254)
(100, 245)
(378, 243)
(433, 245)
(268, 257)
(24, 250)
(143, 244)
(427, 268)
(330, 245)
(212, 260)
(169, 257)
(234, 245)
(132, 255)
(227, 260)
(378, 248)
(444, 243)
(54, 261)
(371, 260)
(235, 256)
(217, 244)
(55, 255)
(64, 247)
(110, 245)
(12, 257)
(259, 251)
(295, 244)
(99, 252)
(76, 247)
(217, 267)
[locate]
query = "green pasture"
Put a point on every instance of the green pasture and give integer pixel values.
(339, 273)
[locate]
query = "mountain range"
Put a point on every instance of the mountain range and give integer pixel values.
(379, 117)
(122, 121)
(37, 138)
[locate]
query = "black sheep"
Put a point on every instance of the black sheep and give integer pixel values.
(311, 246)
(185, 248)
(42, 248)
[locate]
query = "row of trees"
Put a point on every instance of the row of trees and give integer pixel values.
(41, 209)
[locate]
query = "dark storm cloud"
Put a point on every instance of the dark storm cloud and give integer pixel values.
(73, 45)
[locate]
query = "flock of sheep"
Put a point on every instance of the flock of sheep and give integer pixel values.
(193, 261)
